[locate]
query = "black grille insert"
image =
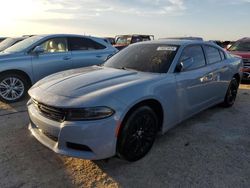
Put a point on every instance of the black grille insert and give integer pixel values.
(50, 112)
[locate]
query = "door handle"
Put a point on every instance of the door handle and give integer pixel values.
(207, 78)
(98, 56)
(210, 77)
(66, 58)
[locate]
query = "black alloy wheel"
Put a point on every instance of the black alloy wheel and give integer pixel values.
(138, 134)
(231, 93)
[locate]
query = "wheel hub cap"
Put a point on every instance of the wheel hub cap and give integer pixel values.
(11, 88)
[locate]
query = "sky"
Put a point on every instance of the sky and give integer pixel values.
(210, 19)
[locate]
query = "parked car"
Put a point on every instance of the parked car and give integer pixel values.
(242, 49)
(122, 41)
(110, 40)
(36, 57)
(8, 42)
(118, 108)
(2, 38)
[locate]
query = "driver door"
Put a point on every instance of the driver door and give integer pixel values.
(54, 58)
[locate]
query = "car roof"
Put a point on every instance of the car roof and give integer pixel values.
(176, 42)
(185, 38)
(65, 35)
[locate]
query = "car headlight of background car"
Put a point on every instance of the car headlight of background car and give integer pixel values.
(92, 113)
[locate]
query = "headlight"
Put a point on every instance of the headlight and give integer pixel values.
(92, 113)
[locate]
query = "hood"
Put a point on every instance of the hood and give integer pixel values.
(244, 55)
(80, 82)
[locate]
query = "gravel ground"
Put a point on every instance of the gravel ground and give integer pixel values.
(211, 149)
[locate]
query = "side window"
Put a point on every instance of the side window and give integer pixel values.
(192, 58)
(78, 44)
(213, 54)
(55, 45)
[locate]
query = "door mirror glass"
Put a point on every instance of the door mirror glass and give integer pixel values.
(187, 62)
(38, 50)
(179, 67)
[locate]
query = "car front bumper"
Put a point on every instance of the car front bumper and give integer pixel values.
(92, 140)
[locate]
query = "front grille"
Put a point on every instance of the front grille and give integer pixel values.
(50, 112)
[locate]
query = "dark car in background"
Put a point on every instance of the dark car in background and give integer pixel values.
(2, 38)
(242, 49)
(8, 42)
(122, 41)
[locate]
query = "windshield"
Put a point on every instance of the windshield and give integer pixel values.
(20, 46)
(240, 46)
(6, 43)
(155, 58)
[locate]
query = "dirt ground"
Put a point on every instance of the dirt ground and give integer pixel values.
(211, 149)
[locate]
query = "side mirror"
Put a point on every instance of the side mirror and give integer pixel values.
(179, 67)
(38, 50)
(185, 64)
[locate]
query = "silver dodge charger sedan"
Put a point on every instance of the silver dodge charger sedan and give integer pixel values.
(118, 108)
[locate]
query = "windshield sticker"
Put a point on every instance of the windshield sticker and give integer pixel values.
(166, 48)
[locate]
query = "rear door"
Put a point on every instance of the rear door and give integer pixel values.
(86, 52)
(55, 58)
(219, 70)
(193, 82)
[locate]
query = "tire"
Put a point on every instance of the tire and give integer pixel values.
(231, 93)
(13, 87)
(137, 134)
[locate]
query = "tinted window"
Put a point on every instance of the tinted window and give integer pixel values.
(55, 45)
(213, 54)
(144, 57)
(77, 43)
(192, 58)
